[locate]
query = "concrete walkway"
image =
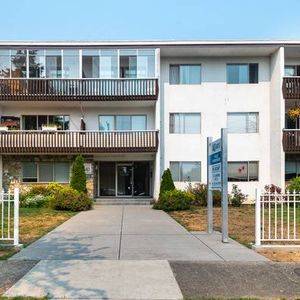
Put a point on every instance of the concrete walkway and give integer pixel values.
(119, 253)
(131, 233)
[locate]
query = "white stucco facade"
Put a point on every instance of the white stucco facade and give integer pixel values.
(213, 98)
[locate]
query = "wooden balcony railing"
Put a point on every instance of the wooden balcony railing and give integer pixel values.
(291, 88)
(23, 141)
(42, 89)
(291, 140)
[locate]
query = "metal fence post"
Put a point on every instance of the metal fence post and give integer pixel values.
(224, 186)
(257, 218)
(210, 222)
(16, 217)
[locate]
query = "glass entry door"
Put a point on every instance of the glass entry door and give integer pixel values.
(124, 180)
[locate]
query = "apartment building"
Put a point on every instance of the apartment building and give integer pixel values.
(133, 109)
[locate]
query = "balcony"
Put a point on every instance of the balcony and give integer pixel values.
(42, 89)
(291, 140)
(72, 142)
(291, 88)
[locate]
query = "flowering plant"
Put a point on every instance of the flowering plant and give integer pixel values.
(294, 113)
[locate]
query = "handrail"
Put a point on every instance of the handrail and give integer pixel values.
(77, 141)
(60, 89)
(291, 87)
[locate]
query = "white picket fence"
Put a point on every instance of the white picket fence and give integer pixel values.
(277, 218)
(9, 218)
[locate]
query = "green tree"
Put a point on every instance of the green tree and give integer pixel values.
(167, 183)
(78, 177)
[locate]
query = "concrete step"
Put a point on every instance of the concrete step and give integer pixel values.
(123, 201)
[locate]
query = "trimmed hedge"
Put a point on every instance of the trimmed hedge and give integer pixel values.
(174, 200)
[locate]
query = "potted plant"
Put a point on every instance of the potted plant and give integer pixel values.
(3, 127)
(49, 127)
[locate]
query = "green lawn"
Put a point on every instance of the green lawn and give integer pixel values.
(34, 223)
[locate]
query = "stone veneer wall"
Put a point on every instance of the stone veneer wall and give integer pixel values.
(12, 171)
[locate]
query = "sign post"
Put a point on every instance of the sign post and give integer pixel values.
(217, 180)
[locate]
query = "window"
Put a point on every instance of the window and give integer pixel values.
(109, 64)
(37, 63)
(242, 73)
(293, 70)
(18, 63)
(53, 64)
(45, 171)
(292, 168)
(90, 64)
(243, 171)
(36, 122)
(71, 64)
(185, 123)
(242, 122)
(123, 122)
(185, 171)
(5, 63)
(146, 63)
(128, 64)
(185, 74)
(29, 172)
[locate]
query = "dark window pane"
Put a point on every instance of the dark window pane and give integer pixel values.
(29, 172)
(61, 172)
(42, 121)
(253, 73)
(29, 122)
(45, 172)
(90, 67)
(107, 179)
(290, 170)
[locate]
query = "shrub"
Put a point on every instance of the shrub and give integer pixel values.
(70, 199)
(199, 190)
(34, 201)
(78, 176)
(272, 188)
(236, 197)
(294, 185)
(54, 187)
(167, 183)
(174, 200)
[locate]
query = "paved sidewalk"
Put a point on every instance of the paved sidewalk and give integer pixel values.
(96, 279)
(115, 252)
(238, 279)
(131, 233)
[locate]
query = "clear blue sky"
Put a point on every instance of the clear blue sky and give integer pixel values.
(149, 19)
